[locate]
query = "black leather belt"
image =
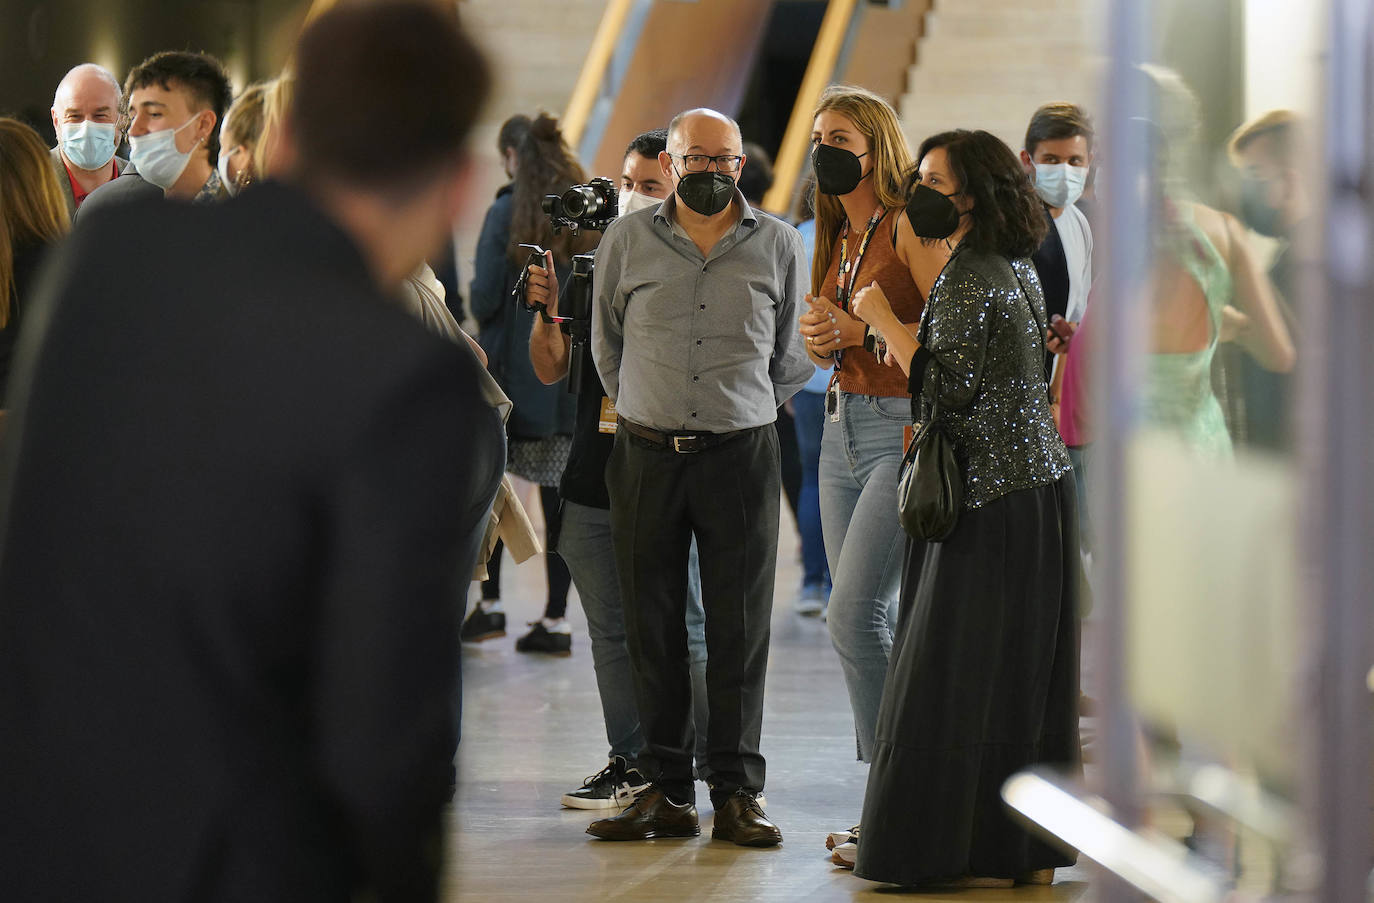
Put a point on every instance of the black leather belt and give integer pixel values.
(682, 443)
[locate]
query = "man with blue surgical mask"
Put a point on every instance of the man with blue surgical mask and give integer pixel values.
(1058, 152)
(176, 102)
(86, 120)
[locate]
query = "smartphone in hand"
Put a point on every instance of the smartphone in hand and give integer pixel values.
(1061, 328)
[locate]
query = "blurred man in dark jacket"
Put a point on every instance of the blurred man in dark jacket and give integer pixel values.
(237, 487)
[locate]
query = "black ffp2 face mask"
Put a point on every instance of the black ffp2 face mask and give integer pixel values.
(932, 214)
(838, 171)
(708, 193)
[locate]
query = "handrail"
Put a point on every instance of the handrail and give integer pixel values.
(825, 56)
(593, 73)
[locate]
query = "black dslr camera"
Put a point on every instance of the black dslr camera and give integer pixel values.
(592, 206)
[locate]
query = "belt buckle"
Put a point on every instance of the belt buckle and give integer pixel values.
(677, 444)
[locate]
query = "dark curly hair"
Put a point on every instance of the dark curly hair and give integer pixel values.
(1007, 216)
(544, 165)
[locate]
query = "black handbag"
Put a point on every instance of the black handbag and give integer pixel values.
(930, 488)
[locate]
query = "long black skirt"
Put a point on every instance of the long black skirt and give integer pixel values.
(982, 682)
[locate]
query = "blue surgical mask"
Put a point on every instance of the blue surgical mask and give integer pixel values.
(1060, 184)
(223, 166)
(157, 158)
(88, 145)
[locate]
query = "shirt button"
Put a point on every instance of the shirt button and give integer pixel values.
(703, 307)
(694, 413)
(698, 341)
(695, 378)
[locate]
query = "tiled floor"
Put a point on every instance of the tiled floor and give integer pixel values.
(532, 730)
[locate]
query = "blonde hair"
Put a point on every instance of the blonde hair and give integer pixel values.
(276, 103)
(243, 122)
(32, 209)
(887, 146)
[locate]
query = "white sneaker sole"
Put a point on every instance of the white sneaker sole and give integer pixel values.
(842, 855)
(618, 803)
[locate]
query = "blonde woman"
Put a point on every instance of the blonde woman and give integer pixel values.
(33, 215)
(860, 157)
(238, 137)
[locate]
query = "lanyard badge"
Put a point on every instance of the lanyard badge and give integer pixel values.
(848, 270)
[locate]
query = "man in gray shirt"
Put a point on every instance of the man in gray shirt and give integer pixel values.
(694, 335)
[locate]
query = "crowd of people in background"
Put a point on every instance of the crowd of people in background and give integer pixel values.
(254, 468)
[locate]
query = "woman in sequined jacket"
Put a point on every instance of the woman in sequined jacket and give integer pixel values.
(983, 680)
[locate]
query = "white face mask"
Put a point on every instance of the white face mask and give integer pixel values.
(229, 184)
(1060, 184)
(88, 145)
(630, 201)
(156, 155)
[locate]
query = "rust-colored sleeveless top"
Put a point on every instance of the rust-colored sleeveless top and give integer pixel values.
(861, 373)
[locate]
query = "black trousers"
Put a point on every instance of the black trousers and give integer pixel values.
(727, 496)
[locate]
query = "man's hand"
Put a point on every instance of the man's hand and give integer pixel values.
(1060, 335)
(541, 287)
(825, 328)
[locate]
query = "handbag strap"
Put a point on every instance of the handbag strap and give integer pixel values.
(1041, 328)
(923, 334)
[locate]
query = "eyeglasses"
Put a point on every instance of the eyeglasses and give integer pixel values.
(700, 162)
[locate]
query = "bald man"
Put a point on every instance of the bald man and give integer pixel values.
(86, 118)
(694, 337)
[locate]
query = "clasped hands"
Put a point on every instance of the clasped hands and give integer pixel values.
(825, 328)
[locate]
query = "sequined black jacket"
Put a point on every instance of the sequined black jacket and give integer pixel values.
(982, 348)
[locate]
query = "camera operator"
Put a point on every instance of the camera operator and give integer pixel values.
(694, 338)
(585, 541)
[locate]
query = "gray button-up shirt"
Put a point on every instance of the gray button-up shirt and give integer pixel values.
(691, 343)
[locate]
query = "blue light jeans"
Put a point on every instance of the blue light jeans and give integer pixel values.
(860, 457)
(809, 420)
(585, 544)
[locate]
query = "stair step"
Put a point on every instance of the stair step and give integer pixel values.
(972, 55)
(999, 7)
(956, 23)
(1079, 84)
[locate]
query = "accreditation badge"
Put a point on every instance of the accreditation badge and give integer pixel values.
(608, 417)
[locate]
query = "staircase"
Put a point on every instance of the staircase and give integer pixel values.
(985, 64)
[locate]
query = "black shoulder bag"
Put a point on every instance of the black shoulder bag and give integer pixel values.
(930, 488)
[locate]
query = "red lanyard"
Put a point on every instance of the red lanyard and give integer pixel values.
(849, 269)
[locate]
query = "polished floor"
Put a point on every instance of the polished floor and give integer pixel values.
(532, 730)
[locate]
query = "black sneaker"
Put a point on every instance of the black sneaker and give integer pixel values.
(614, 788)
(542, 639)
(483, 625)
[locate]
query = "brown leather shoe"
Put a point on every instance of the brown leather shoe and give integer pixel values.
(651, 815)
(741, 820)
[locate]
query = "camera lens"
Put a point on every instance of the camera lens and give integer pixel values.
(582, 202)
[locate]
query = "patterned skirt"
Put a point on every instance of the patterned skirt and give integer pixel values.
(541, 461)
